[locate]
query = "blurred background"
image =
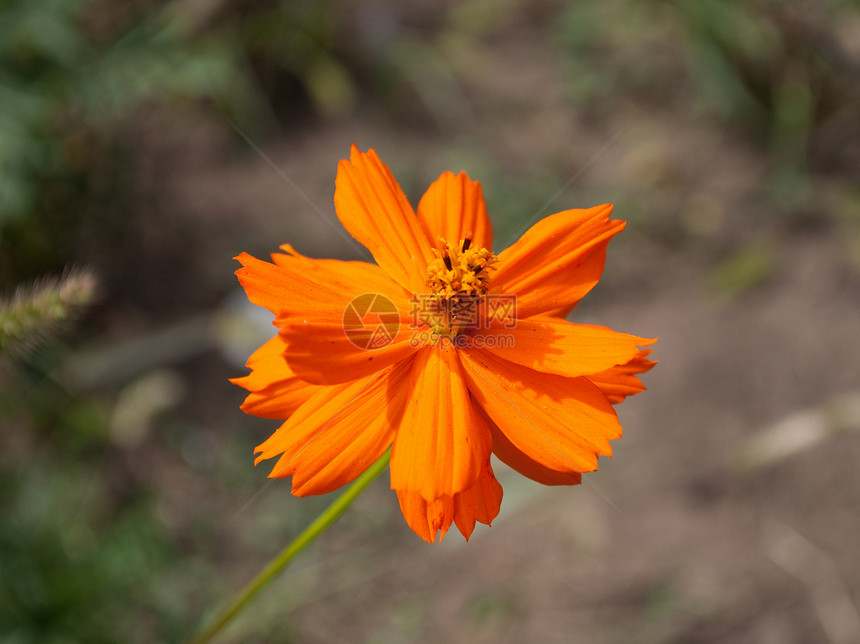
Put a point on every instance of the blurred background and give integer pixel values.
(143, 145)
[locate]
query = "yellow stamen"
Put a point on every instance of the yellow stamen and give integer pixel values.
(458, 278)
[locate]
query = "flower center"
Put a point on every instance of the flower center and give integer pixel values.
(458, 279)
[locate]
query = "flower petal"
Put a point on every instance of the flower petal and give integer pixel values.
(373, 208)
(557, 346)
(279, 400)
(442, 441)
(453, 207)
(426, 518)
(347, 278)
(296, 285)
(267, 285)
(557, 261)
(321, 352)
(562, 423)
(339, 432)
(481, 502)
(508, 454)
(276, 392)
(267, 365)
(620, 381)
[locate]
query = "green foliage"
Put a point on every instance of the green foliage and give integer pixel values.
(744, 270)
(65, 88)
(33, 313)
(772, 67)
(491, 606)
(299, 40)
(68, 574)
(88, 552)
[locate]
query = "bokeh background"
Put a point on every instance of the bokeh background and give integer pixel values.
(143, 145)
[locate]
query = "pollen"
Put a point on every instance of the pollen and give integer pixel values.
(461, 270)
(458, 278)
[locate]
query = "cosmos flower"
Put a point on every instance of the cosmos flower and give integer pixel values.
(442, 351)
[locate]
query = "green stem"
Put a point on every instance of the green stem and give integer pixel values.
(277, 564)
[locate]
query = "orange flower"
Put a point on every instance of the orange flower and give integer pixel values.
(442, 350)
